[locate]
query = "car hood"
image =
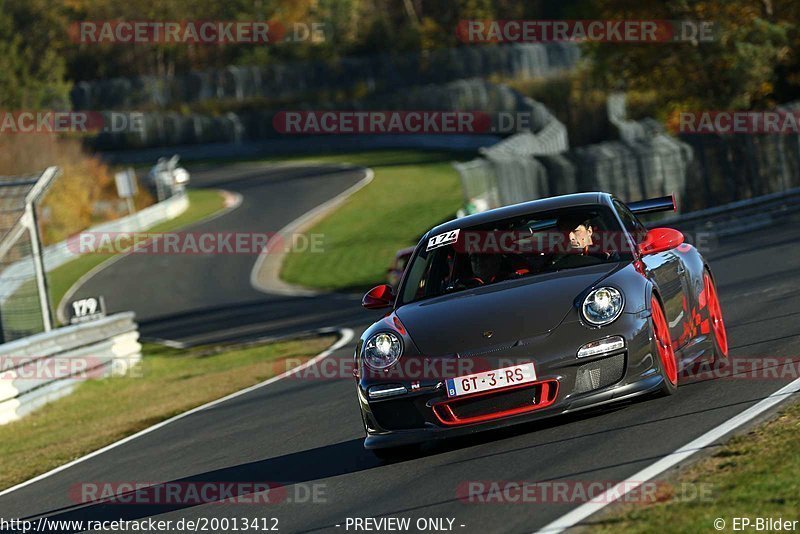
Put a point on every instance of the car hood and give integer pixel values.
(511, 310)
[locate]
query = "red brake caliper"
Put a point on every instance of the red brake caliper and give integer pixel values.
(715, 314)
(664, 343)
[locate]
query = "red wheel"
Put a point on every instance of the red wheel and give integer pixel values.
(715, 316)
(664, 345)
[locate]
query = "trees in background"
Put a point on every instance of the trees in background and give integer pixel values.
(745, 66)
(753, 62)
(32, 70)
(352, 27)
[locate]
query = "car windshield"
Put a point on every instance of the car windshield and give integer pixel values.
(515, 248)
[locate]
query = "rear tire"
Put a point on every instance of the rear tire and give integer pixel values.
(664, 352)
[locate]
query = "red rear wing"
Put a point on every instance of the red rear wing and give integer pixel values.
(652, 205)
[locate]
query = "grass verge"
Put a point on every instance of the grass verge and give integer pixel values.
(168, 382)
(411, 192)
(756, 474)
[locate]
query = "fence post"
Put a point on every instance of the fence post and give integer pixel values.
(33, 196)
(38, 265)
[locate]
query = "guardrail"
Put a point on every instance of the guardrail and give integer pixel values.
(748, 204)
(38, 369)
(738, 217)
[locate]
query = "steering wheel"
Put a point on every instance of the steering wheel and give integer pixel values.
(466, 283)
(472, 282)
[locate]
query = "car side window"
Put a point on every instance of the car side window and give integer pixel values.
(631, 223)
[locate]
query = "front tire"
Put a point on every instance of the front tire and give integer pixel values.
(663, 344)
(716, 324)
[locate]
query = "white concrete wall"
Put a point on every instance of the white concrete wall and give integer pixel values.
(41, 368)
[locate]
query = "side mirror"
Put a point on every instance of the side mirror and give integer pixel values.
(378, 297)
(659, 240)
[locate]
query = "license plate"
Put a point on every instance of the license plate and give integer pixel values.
(488, 380)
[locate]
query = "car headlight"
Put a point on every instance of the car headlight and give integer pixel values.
(382, 350)
(602, 306)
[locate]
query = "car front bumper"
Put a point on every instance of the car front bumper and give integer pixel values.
(565, 384)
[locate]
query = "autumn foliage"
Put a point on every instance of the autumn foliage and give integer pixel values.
(72, 202)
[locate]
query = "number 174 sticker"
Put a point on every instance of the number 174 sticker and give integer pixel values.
(442, 239)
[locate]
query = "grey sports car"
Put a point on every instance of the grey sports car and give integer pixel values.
(530, 311)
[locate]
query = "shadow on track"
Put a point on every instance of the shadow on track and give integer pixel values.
(329, 461)
(298, 467)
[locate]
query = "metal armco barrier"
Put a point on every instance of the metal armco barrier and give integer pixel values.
(41, 368)
(738, 217)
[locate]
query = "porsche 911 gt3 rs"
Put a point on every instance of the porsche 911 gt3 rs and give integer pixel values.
(530, 311)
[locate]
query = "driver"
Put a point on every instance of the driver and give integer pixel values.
(486, 267)
(580, 233)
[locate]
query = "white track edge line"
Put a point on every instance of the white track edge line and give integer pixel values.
(580, 513)
(345, 333)
(308, 217)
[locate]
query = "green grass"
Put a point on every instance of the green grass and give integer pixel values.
(754, 475)
(412, 191)
(17, 309)
(168, 382)
(21, 311)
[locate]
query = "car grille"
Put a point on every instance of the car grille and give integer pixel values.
(483, 407)
(599, 373)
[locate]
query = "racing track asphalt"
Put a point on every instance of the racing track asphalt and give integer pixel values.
(306, 433)
(206, 298)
